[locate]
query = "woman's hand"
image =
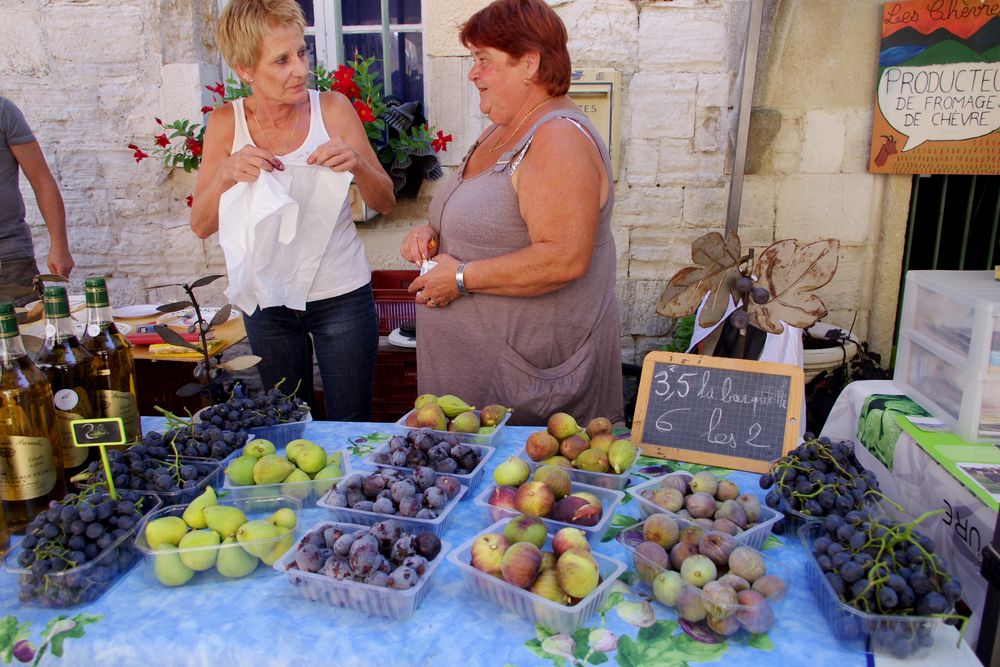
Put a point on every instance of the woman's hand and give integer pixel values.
(437, 288)
(335, 154)
(420, 244)
(246, 164)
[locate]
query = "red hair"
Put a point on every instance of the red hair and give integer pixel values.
(519, 26)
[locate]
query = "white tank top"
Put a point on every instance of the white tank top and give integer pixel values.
(344, 266)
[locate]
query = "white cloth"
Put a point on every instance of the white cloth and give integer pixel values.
(284, 245)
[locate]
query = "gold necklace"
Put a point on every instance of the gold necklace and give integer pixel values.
(295, 125)
(503, 143)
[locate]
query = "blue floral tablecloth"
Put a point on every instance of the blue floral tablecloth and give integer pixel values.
(263, 621)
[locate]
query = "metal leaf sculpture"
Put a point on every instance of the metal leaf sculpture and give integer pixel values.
(718, 260)
(791, 273)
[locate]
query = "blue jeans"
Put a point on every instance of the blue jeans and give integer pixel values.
(344, 332)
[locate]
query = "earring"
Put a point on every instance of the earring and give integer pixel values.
(526, 81)
(249, 80)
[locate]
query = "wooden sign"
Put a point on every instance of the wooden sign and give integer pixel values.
(729, 413)
(937, 106)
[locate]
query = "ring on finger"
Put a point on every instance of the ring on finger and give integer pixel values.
(432, 302)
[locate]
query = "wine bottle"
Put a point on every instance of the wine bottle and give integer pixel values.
(31, 470)
(114, 368)
(70, 369)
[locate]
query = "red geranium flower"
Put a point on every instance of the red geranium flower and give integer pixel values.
(190, 200)
(194, 146)
(344, 73)
(139, 155)
(441, 143)
(162, 141)
(207, 109)
(348, 89)
(217, 89)
(364, 111)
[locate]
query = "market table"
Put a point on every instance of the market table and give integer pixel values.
(262, 620)
(921, 484)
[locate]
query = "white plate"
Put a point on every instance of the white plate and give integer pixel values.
(399, 340)
(185, 318)
(138, 310)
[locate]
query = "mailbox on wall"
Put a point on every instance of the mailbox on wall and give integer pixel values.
(597, 91)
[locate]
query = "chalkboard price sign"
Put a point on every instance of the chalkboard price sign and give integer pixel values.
(730, 413)
(93, 432)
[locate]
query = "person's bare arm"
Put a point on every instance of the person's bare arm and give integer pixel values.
(220, 171)
(349, 150)
(559, 189)
(50, 203)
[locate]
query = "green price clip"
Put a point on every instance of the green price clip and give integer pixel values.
(100, 433)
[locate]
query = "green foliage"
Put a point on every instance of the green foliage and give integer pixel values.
(660, 644)
(683, 331)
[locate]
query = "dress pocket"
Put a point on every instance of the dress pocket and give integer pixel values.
(536, 393)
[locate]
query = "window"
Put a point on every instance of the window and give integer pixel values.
(337, 30)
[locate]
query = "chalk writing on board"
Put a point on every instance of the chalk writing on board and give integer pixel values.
(717, 410)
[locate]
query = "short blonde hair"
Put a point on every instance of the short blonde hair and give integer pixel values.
(243, 24)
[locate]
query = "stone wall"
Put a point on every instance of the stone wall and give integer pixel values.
(91, 75)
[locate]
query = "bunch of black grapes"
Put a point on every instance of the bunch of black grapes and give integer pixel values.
(152, 466)
(266, 409)
(820, 477)
(887, 568)
(205, 440)
(88, 529)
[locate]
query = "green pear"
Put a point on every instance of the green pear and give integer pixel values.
(280, 547)
(233, 562)
(258, 448)
(240, 470)
(169, 568)
(292, 485)
(271, 469)
(199, 558)
(258, 536)
(192, 514)
(223, 519)
(293, 448)
(284, 518)
(167, 530)
(311, 459)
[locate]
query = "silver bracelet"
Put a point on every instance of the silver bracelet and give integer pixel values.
(460, 279)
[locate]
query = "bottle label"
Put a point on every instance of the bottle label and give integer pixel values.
(121, 404)
(65, 399)
(26, 468)
(50, 330)
(93, 329)
(72, 456)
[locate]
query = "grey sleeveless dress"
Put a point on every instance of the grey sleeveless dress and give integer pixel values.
(555, 352)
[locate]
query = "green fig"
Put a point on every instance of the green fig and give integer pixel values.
(327, 477)
(234, 562)
(293, 487)
(466, 422)
(591, 460)
(169, 568)
(284, 518)
(223, 519)
(486, 430)
(240, 470)
(452, 406)
(272, 470)
(621, 455)
(258, 448)
(492, 415)
(192, 514)
(199, 559)
(311, 459)
(167, 530)
(257, 536)
(280, 547)
(424, 399)
(293, 448)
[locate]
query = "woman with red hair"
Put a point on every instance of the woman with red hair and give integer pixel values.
(520, 308)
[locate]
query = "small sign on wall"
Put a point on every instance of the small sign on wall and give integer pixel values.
(597, 91)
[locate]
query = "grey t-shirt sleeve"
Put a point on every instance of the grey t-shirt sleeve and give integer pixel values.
(13, 127)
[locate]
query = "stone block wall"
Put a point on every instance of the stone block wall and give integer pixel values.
(92, 75)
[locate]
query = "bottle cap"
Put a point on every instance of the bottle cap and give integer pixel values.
(55, 302)
(8, 320)
(96, 291)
